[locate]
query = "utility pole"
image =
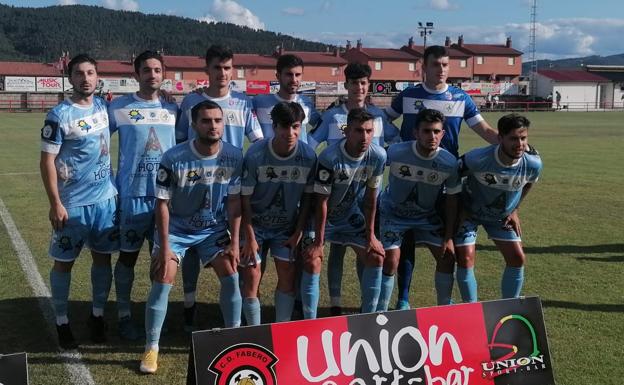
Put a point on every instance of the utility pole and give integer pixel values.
(533, 49)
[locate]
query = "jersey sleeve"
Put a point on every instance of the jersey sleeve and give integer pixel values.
(320, 132)
(315, 116)
(395, 109)
(112, 122)
(234, 187)
(309, 188)
(165, 178)
(183, 122)
(324, 175)
(471, 112)
(536, 168)
(253, 131)
(250, 174)
(52, 134)
(375, 179)
(390, 131)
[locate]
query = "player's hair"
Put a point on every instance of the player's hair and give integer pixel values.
(79, 59)
(358, 115)
(144, 56)
(288, 61)
(437, 51)
(357, 71)
(218, 51)
(429, 115)
(287, 113)
(205, 105)
(510, 122)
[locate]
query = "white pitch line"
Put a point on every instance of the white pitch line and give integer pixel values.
(19, 173)
(79, 374)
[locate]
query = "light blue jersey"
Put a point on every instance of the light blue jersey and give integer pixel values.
(276, 184)
(345, 179)
(334, 121)
(146, 131)
(415, 182)
(493, 190)
(80, 137)
(197, 187)
(238, 116)
(454, 103)
(263, 104)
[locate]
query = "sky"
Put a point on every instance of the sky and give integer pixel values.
(564, 29)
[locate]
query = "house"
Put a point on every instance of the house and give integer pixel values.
(579, 89)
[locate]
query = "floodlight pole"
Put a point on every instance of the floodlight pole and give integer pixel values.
(425, 29)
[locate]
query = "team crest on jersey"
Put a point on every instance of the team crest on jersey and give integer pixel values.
(152, 115)
(132, 237)
(244, 364)
(295, 173)
(270, 173)
(231, 117)
(419, 105)
(162, 175)
(448, 96)
(65, 243)
(164, 116)
(192, 176)
(219, 174)
(83, 125)
(323, 175)
(516, 183)
(405, 171)
(135, 115)
(47, 131)
(490, 179)
(432, 177)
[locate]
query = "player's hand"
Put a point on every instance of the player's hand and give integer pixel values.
(161, 263)
(232, 253)
(513, 221)
(201, 90)
(448, 249)
(292, 243)
(58, 216)
(375, 246)
(249, 252)
(169, 98)
(315, 250)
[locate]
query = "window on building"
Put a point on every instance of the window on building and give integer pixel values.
(378, 65)
(476, 78)
(177, 75)
(335, 71)
(240, 73)
(463, 63)
(411, 67)
(480, 60)
(511, 61)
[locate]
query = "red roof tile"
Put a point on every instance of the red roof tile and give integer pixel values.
(386, 54)
(572, 76)
(487, 49)
(115, 67)
(326, 58)
(197, 62)
(253, 60)
(419, 50)
(184, 62)
(11, 68)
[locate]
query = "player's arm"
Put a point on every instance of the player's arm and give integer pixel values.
(250, 248)
(513, 219)
(484, 130)
(165, 255)
(58, 214)
(234, 213)
(302, 219)
(395, 109)
(315, 250)
(253, 130)
(450, 218)
(370, 210)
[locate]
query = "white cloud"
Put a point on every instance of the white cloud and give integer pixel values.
(326, 5)
(442, 5)
(124, 5)
(293, 11)
(68, 2)
(230, 11)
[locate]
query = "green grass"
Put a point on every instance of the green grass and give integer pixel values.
(573, 233)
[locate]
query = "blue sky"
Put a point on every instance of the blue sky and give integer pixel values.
(578, 28)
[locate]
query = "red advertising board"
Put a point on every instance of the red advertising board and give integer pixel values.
(489, 343)
(256, 87)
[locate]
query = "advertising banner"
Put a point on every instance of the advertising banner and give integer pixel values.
(121, 86)
(238, 85)
(307, 87)
(488, 343)
(257, 87)
(14, 369)
(20, 84)
(51, 84)
(326, 88)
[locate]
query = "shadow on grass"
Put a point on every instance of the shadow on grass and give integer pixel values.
(607, 308)
(568, 249)
(613, 258)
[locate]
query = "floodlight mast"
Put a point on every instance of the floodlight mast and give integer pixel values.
(424, 30)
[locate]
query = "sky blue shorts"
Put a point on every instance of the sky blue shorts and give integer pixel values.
(427, 229)
(136, 222)
(467, 232)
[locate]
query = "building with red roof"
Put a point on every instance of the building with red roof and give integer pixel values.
(579, 89)
(491, 62)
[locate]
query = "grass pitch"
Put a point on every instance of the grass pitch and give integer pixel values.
(573, 234)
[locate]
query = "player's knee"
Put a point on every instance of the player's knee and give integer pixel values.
(63, 267)
(465, 258)
(374, 260)
(312, 265)
(128, 259)
(517, 259)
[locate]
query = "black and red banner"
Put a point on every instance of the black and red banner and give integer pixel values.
(488, 343)
(14, 369)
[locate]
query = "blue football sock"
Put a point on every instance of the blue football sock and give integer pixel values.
(335, 263)
(156, 311)
(284, 303)
(513, 278)
(467, 284)
(444, 288)
(405, 270)
(101, 281)
(59, 284)
(387, 286)
(190, 275)
(370, 288)
(252, 310)
(309, 294)
(124, 277)
(230, 301)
